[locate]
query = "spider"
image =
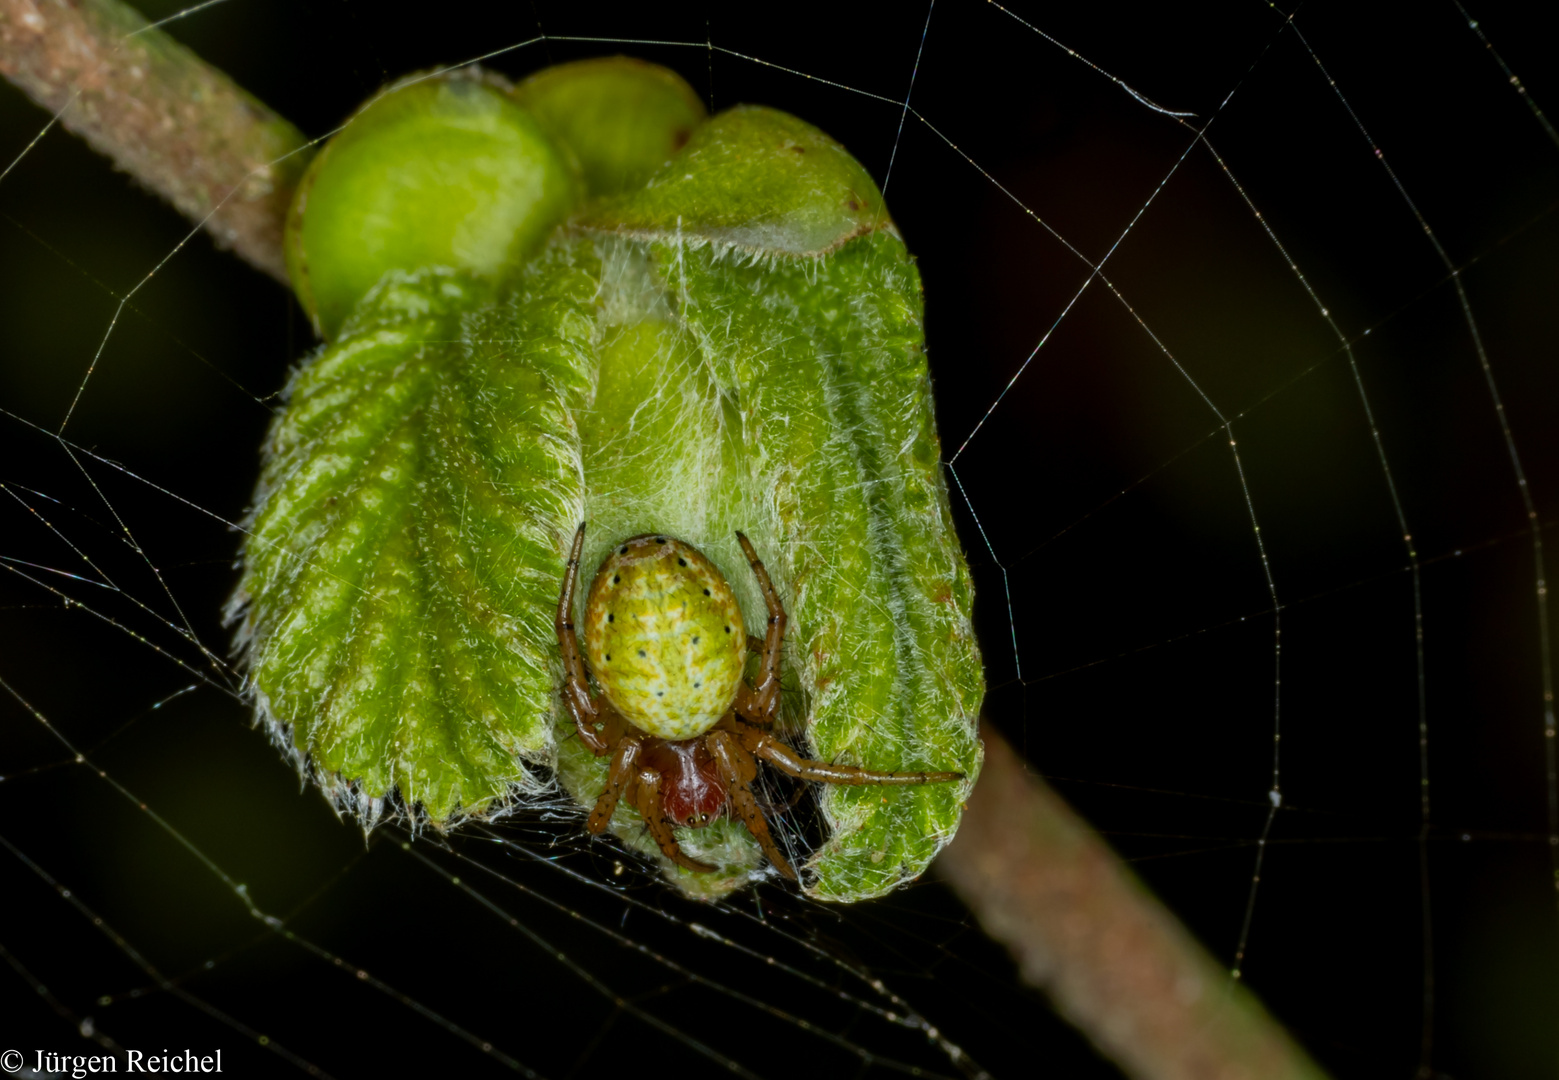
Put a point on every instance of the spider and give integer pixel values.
(667, 646)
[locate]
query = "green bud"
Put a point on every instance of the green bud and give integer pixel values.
(623, 118)
(736, 344)
(435, 171)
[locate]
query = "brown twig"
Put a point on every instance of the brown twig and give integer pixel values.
(1087, 932)
(171, 121)
(1083, 929)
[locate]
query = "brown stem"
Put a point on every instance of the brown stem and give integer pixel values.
(1083, 929)
(1088, 933)
(171, 121)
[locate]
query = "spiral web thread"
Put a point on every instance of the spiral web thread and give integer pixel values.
(498, 873)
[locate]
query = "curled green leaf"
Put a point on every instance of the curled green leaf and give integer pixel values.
(401, 558)
(756, 179)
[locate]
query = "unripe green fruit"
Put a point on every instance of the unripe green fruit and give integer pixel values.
(435, 171)
(622, 117)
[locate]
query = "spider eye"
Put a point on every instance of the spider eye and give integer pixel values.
(681, 562)
(616, 578)
(623, 550)
(610, 617)
(706, 592)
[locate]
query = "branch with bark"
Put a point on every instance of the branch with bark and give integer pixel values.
(174, 123)
(1114, 961)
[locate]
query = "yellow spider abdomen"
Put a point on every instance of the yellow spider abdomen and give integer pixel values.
(664, 636)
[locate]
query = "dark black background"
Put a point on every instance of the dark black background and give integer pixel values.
(1104, 483)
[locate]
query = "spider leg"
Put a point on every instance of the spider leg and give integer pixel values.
(621, 775)
(576, 690)
(766, 694)
(646, 799)
(738, 770)
(761, 744)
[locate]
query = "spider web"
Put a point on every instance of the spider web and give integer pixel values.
(1241, 324)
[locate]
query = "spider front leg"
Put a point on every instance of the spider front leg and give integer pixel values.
(763, 703)
(647, 801)
(582, 706)
(624, 764)
(738, 770)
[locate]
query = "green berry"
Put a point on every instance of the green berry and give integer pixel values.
(623, 118)
(435, 171)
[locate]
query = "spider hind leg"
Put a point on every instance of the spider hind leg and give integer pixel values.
(782, 757)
